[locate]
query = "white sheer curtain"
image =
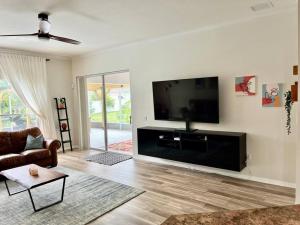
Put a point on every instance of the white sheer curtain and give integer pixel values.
(28, 77)
(83, 113)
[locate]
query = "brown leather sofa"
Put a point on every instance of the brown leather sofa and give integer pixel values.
(12, 153)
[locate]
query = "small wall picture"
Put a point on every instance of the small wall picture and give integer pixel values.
(245, 86)
(272, 95)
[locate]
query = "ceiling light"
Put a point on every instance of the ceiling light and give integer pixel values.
(44, 26)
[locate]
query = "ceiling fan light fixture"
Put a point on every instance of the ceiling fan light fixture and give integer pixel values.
(44, 26)
(44, 31)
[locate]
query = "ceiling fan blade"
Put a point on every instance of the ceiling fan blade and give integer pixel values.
(63, 39)
(18, 35)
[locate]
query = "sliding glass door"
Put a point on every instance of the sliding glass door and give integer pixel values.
(95, 105)
(109, 112)
(118, 111)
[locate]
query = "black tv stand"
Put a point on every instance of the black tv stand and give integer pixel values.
(225, 150)
(185, 131)
(187, 128)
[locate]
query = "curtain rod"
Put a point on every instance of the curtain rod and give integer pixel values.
(21, 52)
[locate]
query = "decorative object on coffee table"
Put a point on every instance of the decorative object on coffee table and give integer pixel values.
(63, 118)
(33, 171)
(21, 176)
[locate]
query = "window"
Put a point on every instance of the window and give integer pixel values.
(14, 115)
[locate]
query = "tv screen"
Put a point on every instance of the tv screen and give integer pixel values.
(195, 100)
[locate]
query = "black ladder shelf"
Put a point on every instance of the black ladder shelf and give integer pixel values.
(66, 119)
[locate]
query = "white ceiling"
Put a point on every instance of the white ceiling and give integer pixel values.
(102, 24)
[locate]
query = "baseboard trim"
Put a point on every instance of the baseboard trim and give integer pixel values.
(68, 148)
(216, 171)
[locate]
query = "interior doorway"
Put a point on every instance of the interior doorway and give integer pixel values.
(109, 112)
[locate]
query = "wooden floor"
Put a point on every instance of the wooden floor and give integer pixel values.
(171, 190)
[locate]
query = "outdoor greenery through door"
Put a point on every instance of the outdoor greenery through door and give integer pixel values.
(118, 111)
(14, 115)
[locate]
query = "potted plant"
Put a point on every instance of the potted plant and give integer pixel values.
(61, 103)
(288, 108)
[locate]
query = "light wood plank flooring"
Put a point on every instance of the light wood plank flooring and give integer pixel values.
(172, 190)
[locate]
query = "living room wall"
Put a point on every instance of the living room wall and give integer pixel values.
(59, 72)
(264, 46)
(298, 122)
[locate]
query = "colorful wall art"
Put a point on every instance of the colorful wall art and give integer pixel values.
(272, 95)
(245, 85)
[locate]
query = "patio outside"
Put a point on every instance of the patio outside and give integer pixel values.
(118, 140)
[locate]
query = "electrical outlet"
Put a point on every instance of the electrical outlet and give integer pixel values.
(145, 118)
(249, 157)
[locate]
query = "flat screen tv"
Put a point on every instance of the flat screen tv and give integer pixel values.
(193, 100)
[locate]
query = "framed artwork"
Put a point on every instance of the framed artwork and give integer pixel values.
(272, 95)
(245, 86)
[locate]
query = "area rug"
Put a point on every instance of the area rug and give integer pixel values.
(281, 215)
(86, 199)
(108, 158)
(125, 146)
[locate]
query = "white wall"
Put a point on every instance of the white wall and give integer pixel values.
(59, 72)
(266, 47)
(298, 123)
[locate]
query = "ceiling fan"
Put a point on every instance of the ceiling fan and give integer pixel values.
(44, 29)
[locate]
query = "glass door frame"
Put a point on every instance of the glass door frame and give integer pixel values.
(102, 75)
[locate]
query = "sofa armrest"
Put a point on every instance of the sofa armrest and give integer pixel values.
(52, 145)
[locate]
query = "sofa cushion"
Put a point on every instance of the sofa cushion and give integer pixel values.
(34, 155)
(34, 142)
(11, 160)
(5, 143)
(18, 138)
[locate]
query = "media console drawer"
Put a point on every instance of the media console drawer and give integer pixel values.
(224, 150)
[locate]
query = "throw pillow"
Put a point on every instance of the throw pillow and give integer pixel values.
(34, 142)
